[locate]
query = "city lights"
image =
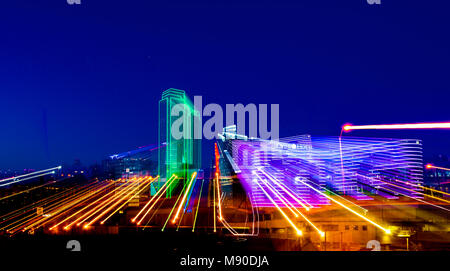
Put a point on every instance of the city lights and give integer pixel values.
(326, 191)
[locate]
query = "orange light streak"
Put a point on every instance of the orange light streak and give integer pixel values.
(154, 203)
(297, 230)
(117, 203)
(65, 206)
(184, 196)
(286, 202)
(157, 193)
(57, 202)
(423, 187)
(414, 191)
(41, 202)
(28, 190)
(102, 205)
(387, 231)
(84, 208)
(123, 204)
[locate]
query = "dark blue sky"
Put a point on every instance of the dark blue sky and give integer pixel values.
(97, 70)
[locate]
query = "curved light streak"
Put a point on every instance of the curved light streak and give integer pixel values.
(387, 231)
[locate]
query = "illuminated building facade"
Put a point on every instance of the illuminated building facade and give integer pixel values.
(310, 168)
(179, 156)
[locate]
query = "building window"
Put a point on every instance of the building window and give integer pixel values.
(355, 227)
(347, 227)
(364, 228)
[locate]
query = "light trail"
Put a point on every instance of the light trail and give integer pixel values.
(120, 207)
(198, 206)
(438, 125)
(151, 207)
(97, 208)
(286, 189)
(216, 173)
(187, 203)
(31, 189)
(297, 230)
(52, 211)
(173, 208)
(431, 204)
(281, 197)
(396, 192)
(157, 196)
(156, 210)
(414, 191)
(443, 125)
(154, 203)
(27, 190)
(80, 200)
(32, 173)
(28, 178)
(84, 208)
(157, 193)
(42, 202)
(235, 233)
(60, 209)
(56, 200)
(105, 204)
(67, 227)
(342, 162)
(387, 231)
(218, 197)
(342, 198)
(404, 188)
(133, 189)
(430, 166)
(420, 186)
(214, 205)
(284, 200)
(184, 197)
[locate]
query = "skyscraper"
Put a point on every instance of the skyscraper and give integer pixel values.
(179, 156)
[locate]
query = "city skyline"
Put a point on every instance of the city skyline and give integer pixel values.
(221, 134)
(77, 88)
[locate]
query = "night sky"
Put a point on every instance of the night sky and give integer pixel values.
(83, 81)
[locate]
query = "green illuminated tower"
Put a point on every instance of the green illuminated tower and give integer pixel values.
(179, 156)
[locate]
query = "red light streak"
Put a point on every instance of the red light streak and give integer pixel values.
(436, 125)
(430, 166)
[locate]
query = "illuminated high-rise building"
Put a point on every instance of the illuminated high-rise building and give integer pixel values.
(179, 156)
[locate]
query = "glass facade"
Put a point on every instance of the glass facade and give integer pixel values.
(179, 156)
